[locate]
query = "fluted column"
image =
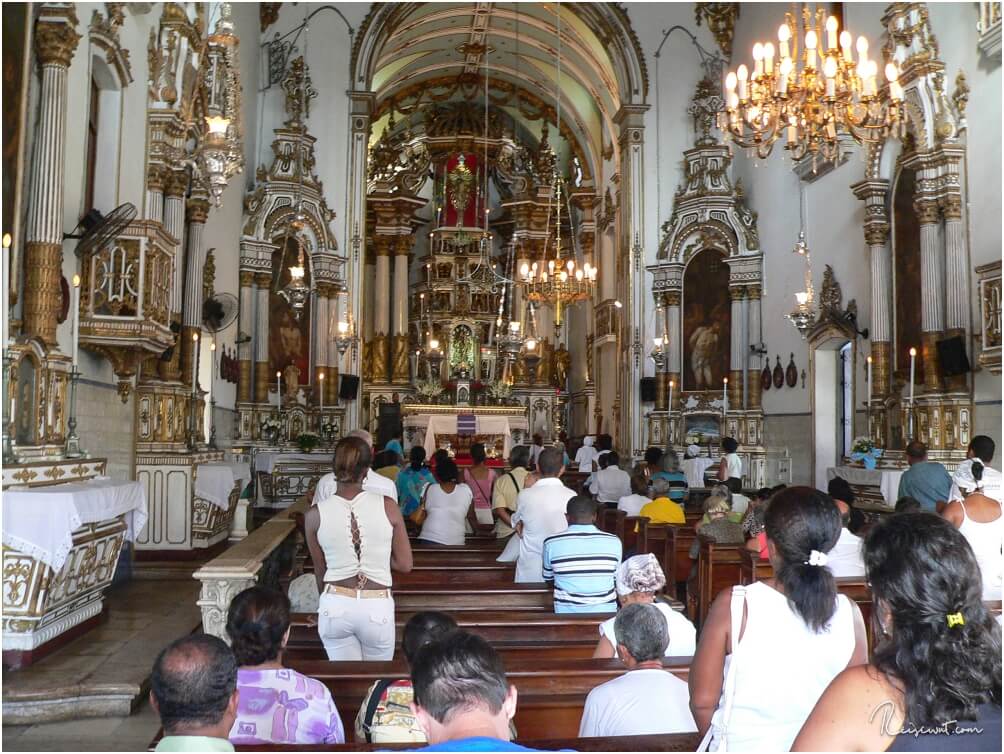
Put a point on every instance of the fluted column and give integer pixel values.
(399, 347)
(932, 275)
(323, 338)
(262, 281)
(155, 193)
(875, 194)
(198, 213)
(381, 309)
(175, 186)
(245, 326)
(737, 362)
(674, 349)
(753, 387)
(55, 42)
(956, 277)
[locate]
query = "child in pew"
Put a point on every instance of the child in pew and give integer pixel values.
(638, 580)
(647, 699)
(385, 715)
(277, 705)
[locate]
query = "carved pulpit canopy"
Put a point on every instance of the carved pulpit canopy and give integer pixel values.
(833, 317)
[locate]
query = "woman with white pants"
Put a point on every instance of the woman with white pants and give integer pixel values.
(355, 538)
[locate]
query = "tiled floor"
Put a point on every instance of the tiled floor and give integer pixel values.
(114, 658)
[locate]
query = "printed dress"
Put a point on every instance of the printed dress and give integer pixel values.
(282, 706)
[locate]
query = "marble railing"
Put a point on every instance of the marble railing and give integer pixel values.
(261, 558)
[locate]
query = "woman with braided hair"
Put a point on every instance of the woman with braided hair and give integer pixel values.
(934, 680)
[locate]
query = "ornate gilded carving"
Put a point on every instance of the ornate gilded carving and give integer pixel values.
(42, 292)
(721, 22)
(104, 34)
(951, 207)
(56, 36)
(927, 211)
(960, 97)
(299, 91)
(380, 357)
(198, 210)
(176, 183)
(400, 364)
(209, 275)
(268, 14)
(261, 378)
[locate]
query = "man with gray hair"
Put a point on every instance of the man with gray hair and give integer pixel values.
(372, 482)
(647, 699)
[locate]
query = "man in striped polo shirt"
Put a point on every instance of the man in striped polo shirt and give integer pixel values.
(582, 561)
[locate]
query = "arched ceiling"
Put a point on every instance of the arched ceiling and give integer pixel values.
(516, 46)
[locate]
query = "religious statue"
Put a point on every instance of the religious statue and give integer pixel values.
(291, 381)
(460, 181)
(562, 363)
(703, 349)
(461, 352)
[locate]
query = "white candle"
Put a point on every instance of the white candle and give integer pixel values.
(871, 390)
(75, 329)
(913, 371)
(278, 390)
(320, 390)
(195, 361)
(212, 367)
(725, 394)
(831, 33)
(670, 395)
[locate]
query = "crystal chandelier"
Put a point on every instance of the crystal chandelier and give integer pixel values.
(220, 153)
(812, 95)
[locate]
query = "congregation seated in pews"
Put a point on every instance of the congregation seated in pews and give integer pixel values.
(454, 646)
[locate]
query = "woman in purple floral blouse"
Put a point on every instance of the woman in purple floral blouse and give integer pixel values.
(277, 704)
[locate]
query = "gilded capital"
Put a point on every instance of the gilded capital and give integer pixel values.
(672, 298)
(876, 233)
(198, 210)
(155, 177)
(753, 292)
(176, 183)
(404, 245)
(56, 37)
(381, 245)
(737, 292)
(245, 278)
(927, 211)
(263, 279)
(951, 207)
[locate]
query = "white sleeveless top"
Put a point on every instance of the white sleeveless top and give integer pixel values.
(334, 535)
(446, 514)
(733, 466)
(782, 669)
(985, 539)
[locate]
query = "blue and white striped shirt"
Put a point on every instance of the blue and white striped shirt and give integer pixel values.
(582, 562)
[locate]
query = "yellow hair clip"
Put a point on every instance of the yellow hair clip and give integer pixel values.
(956, 619)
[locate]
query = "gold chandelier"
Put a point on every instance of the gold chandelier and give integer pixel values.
(813, 95)
(561, 281)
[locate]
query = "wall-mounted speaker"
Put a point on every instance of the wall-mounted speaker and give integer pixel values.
(648, 389)
(952, 357)
(349, 387)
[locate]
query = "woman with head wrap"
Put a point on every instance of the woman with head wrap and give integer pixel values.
(694, 466)
(978, 517)
(638, 580)
(585, 456)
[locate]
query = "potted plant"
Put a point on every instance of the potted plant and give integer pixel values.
(308, 441)
(269, 429)
(428, 390)
(499, 392)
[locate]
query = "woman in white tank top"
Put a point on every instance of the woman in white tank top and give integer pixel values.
(448, 507)
(978, 517)
(355, 539)
(768, 651)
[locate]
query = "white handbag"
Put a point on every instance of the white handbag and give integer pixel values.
(717, 735)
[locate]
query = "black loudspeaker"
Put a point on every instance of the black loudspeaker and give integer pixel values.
(648, 389)
(952, 356)
(349, 387)
(388, 423)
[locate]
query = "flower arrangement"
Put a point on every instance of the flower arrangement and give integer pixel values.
(499, 390)
(864, 451)
(308, 441)
(271, 425)
(428, 390)
(477, 386)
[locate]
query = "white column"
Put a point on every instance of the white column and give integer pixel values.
(736, 360)
(381, 294)
(744, 345)
(323, 336)
(262, 375)
(675, 348)
(401, 298)
(198, 212)
(932, 268)
(957, 310)
(55, 43)
(245, 326)
(174, 223)
(155, 195)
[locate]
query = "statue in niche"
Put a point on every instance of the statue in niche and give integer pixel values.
(461, 351)
(288, 337)
(460, 181)
(562, 363)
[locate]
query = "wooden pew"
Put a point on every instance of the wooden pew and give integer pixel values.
(717, 568)
(551, 692)
(662, 742)
(676, 558)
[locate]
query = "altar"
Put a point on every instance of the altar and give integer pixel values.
(875, 487)
(456, 428)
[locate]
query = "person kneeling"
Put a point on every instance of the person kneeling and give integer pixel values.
(647, 699)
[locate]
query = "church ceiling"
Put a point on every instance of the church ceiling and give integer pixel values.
(517, 44)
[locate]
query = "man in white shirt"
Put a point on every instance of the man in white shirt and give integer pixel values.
(983, 447)
(372, 482)
(846, 558)
(647, 699)
(610, 483)
(540, 513)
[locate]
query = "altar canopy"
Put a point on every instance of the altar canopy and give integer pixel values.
(40, 522)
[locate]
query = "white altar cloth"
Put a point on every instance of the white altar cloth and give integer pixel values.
(446, 424)
(887, 480)
(40, 522)
(215, 481)
(267, 460)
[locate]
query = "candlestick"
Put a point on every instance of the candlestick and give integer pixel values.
(913, 372)
(320, 390)
(212, 400)
(725, 394)
(871, 390)
(670, 396)
(75, 330)
(278, 391)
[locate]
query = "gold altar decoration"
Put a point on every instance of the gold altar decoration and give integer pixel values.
(721, 21)
(461, 181)
(812, 95)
